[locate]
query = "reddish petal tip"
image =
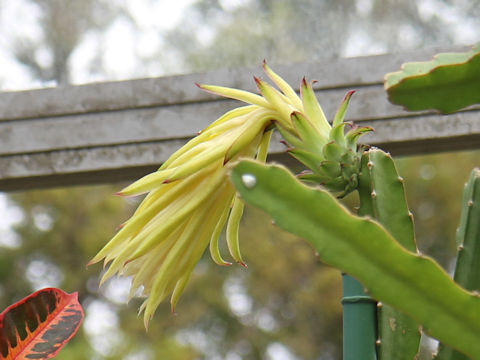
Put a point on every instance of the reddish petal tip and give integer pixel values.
(243, 264)
(120, 227)
(349, 95)
(90, 263)
(119, 194)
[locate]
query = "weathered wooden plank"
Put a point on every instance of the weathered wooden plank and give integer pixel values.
(426, 133)
(149, 124)
(120, 130)
(108, 128)
(401, 136)
(158, 123)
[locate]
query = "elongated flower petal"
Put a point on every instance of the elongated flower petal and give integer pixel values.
(292, 96)
(312, 108)
(236, 94)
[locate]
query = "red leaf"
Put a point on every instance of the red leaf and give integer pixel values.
(38, 326)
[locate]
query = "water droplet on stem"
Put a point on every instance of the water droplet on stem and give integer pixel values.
(249, 180)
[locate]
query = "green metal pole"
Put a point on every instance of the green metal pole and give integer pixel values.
(359, 322)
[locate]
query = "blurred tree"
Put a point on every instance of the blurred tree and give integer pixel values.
(224, 33)
(434, 185)
(291, 299)
(63, 23)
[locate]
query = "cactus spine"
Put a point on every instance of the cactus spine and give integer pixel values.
(467, 269)
(382, 197)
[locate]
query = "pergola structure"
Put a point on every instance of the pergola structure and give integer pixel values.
(115, 131)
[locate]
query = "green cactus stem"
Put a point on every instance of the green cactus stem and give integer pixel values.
(382, 197)
(448, 83)
(360, 246)
(467, 269)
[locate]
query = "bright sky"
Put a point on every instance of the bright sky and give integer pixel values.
(120, 43)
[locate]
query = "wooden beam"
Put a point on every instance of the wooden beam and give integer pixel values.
(118, 131)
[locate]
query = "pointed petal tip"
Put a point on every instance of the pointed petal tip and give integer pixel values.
(243, 264)
(265, 67)
(120, 226)
(295, 114)
(93, 261)
(285, 143)
(145, 323)
(102, 281)
(127, 194)
(225, 160)
(349, 94)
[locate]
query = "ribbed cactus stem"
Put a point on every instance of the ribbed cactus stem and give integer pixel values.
(382, 197)
(467, 268)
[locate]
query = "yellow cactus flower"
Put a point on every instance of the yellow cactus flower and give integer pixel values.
(190, 198)
(188, 203)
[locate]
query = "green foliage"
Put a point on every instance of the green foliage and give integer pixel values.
(382, 197)
(448, 83)
(413, 283)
